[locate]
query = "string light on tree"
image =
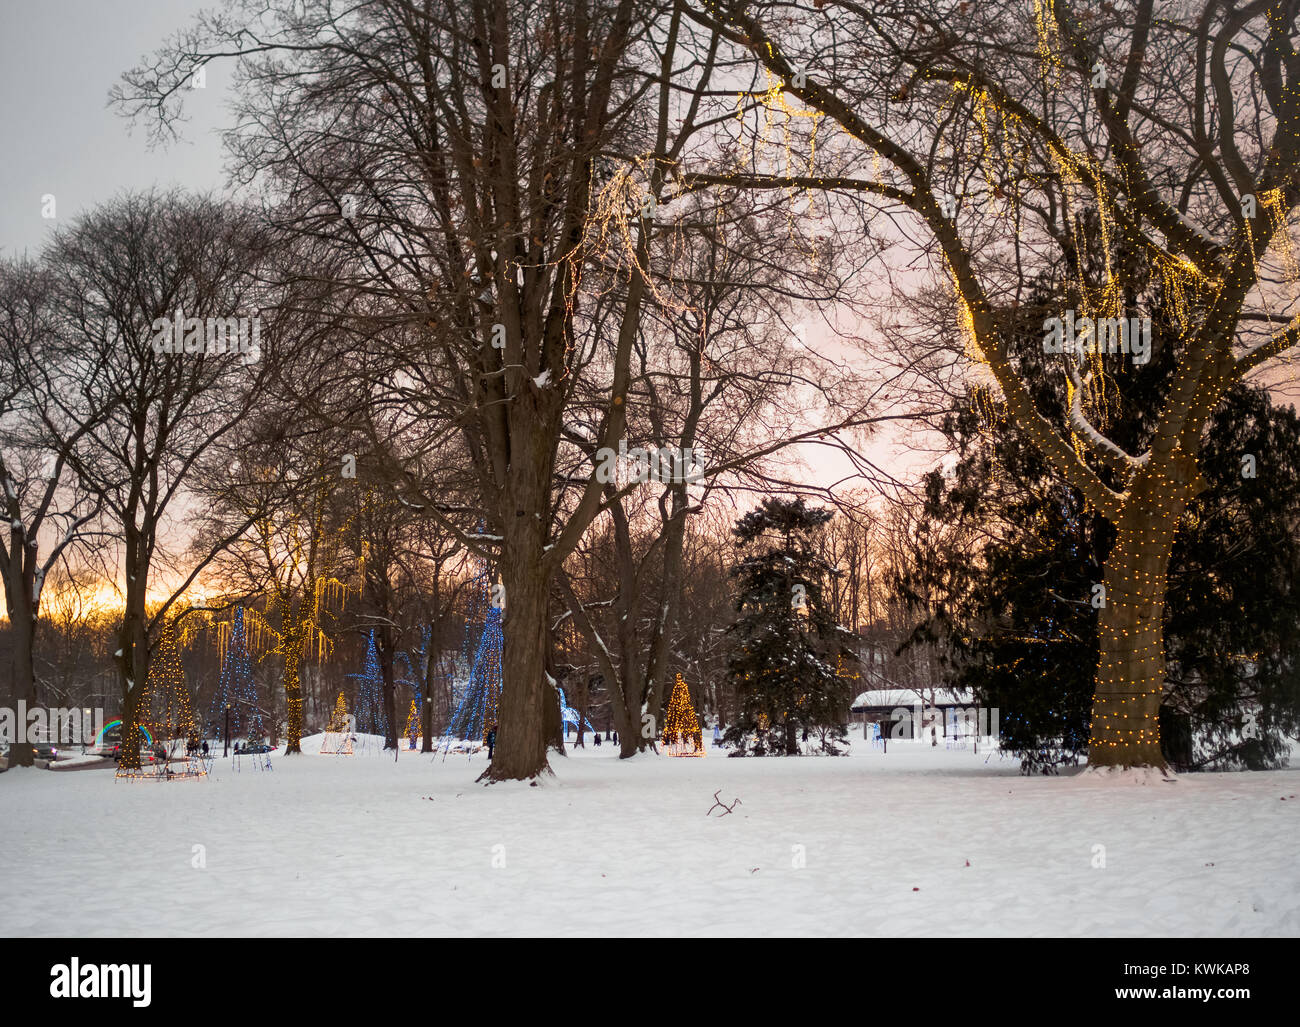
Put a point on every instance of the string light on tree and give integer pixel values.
(237, 687)
(682, 734)
(172, 716)
(166, 714)
(338, 734)
(413, 723)
(477, 711)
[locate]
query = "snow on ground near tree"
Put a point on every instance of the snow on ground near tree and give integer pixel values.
(365, 845)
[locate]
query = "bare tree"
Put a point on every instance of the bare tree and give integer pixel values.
(721, 380)
(148, 380)
(460, 155)
(37, 495)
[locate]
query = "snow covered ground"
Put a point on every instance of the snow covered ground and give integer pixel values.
(917, 842)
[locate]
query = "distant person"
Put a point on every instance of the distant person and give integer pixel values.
(597, 737)
(491, 739)
(205, 747)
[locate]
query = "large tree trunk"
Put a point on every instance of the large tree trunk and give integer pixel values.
(389, 689)
(132, 655)
(426, 714)
(133, 667)
(1131, 658)
(22, 680)
(522, 727)
(293, 690)
(625, 712)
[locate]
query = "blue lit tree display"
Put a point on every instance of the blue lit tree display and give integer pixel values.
(571, 717)
(237, 687)
(369, 707)
(477, 710)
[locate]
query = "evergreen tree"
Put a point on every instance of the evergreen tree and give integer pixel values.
(785, 648)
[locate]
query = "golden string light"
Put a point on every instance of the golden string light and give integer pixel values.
(682, 735)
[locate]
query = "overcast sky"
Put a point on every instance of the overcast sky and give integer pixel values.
(58, 60)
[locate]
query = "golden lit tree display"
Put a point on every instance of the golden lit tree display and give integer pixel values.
(682, 735)
(413, 724)
(1152, 153)
(339, 718)
(165, 706)
(338, 736)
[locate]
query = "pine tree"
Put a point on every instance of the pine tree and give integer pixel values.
(786, 648)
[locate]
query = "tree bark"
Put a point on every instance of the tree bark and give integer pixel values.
(133, 666)
(22, 684)
(523, 721)
(426, 714)
(293, 691)
(389, 688)
(1131, 658)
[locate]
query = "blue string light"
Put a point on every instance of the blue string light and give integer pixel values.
(370, 714)
(237, 688)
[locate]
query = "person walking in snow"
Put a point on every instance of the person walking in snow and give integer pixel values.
(491, 739)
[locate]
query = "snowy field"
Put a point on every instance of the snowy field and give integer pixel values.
(917, 842)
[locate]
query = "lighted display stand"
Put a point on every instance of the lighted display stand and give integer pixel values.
(338, 736)
(163, 766)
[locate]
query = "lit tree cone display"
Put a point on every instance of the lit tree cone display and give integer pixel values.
(338, 736)
(682, 735)
(171, 715)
